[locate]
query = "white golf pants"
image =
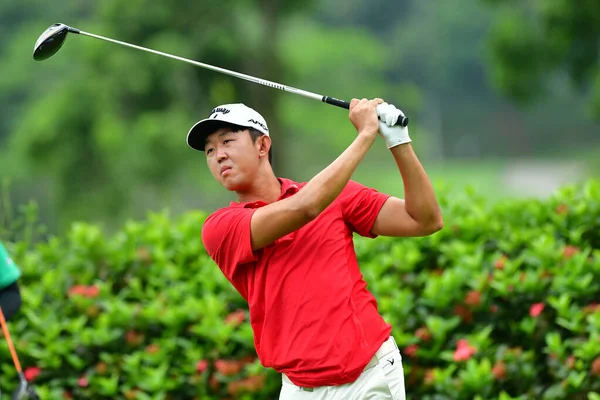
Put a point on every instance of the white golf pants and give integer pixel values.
(382, 379)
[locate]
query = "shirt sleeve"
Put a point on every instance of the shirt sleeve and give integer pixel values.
(9, 271)
(226, 238)
(360, 207)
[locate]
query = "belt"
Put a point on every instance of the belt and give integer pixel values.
(386, 348)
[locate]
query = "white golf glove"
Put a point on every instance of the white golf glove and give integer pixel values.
(394, 135)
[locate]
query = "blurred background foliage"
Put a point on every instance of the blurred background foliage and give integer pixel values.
(503, 96)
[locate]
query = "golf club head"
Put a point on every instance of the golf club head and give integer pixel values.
(51, 41)
(20, 393)
(32, 394)
(24, 391)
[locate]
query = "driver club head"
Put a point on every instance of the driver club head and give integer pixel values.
(32, 394)
(20, 393)
(25, 391)
(50, 41)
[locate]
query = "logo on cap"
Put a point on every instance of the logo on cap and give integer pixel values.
(217, 110)
(258, 123)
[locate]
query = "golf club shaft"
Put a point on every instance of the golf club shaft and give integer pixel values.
(403, 121)
(11, 346)
(207, 66)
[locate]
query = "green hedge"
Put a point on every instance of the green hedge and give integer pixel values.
(501, 304)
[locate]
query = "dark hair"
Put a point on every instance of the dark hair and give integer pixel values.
(254, 134)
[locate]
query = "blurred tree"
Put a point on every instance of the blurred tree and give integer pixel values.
(432, 67)
(436, 57)
(438, 47)
(97, 132)
(116, 119)
(532, 40)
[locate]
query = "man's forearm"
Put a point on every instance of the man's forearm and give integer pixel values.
(420, 200)
(324, 187)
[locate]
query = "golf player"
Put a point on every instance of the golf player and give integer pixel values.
(287, 248)
(10, 295)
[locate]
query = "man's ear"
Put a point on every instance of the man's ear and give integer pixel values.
(265, 145)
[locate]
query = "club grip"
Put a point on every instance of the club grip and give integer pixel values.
(336, 102)
(402, 121)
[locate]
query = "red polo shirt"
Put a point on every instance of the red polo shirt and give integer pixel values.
(312, 315)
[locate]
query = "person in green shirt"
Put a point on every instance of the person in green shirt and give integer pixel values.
(10, 294)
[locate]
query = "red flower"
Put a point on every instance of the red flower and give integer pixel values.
(562, 208)
(93, 291)
(133, 338)
(423, 334)
(235, 318)
(500, 262)
(152, 348)
(228, 368)
(201, 366)
(213, 382)
(31, 373)
(596, 367)
(499, 370)
(570, 251)
(429, 377)
(252, 383)
(85, 291)
(83, 382)
(411, 350)
(464, 351)
(591, 308)
(473, 298)
(464, 313)
(493, 308)
(536, 309)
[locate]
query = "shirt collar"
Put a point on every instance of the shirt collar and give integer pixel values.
(288, 188)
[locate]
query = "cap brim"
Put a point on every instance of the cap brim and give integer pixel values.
(196, 137)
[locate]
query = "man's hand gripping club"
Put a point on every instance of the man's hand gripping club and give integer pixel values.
(394, 135)
(365, 121)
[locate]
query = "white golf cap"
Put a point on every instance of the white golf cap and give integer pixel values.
(237, 114)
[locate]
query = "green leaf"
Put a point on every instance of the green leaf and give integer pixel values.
(107, 386)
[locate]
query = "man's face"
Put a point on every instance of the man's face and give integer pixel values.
(232, 158)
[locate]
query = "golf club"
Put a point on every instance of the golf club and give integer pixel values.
(25, 390)
(53, 38)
